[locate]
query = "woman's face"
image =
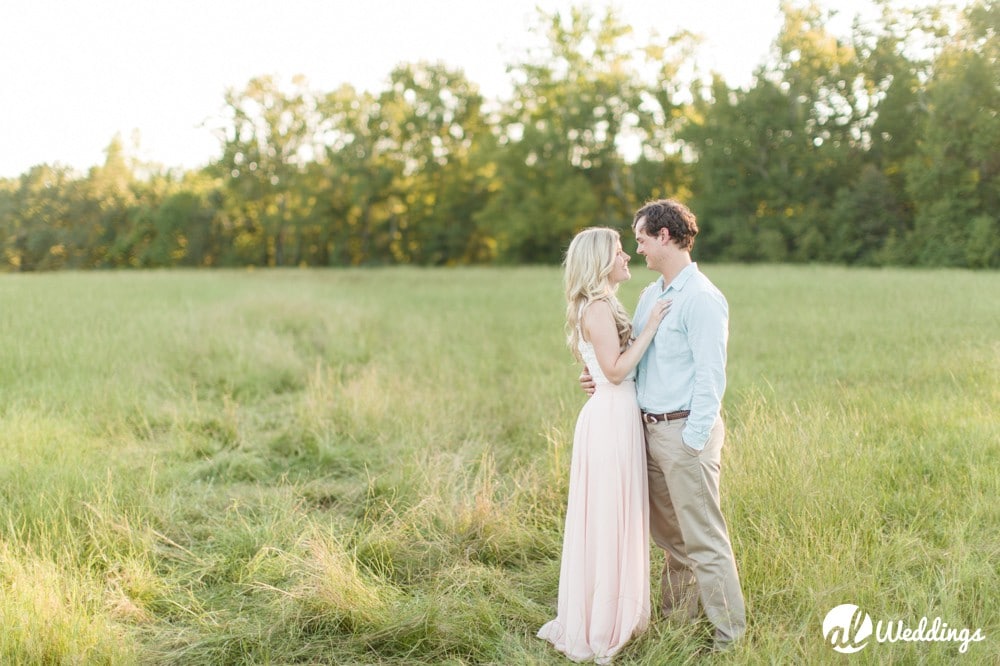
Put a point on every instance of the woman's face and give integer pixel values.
(619, 269)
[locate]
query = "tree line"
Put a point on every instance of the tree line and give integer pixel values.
(881, 148)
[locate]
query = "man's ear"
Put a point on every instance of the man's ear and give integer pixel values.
(664, 235)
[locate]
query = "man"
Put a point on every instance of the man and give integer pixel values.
(680, 381)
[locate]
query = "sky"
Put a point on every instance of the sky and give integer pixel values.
(74, 74)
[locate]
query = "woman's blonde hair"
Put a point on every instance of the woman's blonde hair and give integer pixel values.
(588, 265)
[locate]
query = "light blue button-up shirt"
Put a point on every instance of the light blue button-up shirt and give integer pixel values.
(685, 366)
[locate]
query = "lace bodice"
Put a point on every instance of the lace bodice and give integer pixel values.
(590, 359)
(589, 356)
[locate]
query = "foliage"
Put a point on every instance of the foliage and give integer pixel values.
(954, 175)
(877, 148)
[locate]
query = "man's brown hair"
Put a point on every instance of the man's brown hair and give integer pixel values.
(671, 215)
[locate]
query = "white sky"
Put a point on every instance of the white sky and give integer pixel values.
(74, 73)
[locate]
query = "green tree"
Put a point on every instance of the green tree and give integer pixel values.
(745, 142)
(870, 221)
(358, 199)
(559, 164)
(270, 137)
(112, 192)
(36, 218)
(954, 179)
(873, 214)
(178, 224)
(438, 126)
(773, 160)
(402, 177)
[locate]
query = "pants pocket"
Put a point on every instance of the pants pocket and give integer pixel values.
(696, 453)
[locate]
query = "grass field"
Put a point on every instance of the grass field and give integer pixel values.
(370, 467)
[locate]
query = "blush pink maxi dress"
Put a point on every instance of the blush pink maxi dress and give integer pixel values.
(604, 575)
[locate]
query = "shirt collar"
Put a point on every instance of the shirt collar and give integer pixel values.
(677, 284)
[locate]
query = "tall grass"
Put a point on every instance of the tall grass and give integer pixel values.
(371, 466)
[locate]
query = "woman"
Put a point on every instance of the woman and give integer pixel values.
(604, 576)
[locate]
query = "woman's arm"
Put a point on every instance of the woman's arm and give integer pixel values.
(599, 328)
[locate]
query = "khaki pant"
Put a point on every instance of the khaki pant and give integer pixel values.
(686, 521)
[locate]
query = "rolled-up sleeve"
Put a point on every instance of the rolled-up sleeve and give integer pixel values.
(708, 335)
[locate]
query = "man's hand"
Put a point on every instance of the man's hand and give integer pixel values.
(587, 382)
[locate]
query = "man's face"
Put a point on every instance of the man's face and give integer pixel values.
(646, 245)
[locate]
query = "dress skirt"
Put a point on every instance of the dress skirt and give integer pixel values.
(604, 575)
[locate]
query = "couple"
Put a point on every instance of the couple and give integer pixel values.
(647, 446)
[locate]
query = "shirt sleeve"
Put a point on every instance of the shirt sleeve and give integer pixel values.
(708, 335)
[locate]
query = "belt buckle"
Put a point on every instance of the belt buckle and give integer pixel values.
(648, 418)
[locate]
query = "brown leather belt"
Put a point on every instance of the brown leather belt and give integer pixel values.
(670, 416)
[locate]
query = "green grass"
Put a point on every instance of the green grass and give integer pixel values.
(370, 467)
